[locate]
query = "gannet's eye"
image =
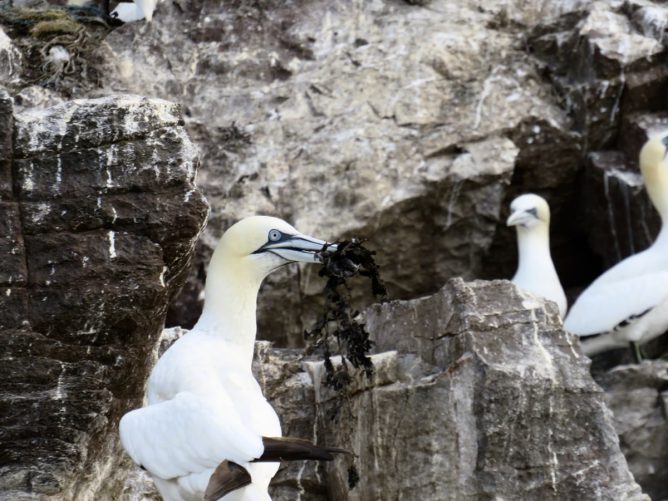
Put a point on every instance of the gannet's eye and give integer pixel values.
(275, 235)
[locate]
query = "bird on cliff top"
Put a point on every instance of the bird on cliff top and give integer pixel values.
(207, 431)
(129, 12)
(530, 214)
(629, 302)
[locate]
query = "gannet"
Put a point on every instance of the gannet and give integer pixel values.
(530, 214)
(629, 302)
(129, 12)
(205, 411)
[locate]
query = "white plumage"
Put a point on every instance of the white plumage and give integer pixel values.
(629, 302)
(530, 214)
(129, 12)
(203, 404)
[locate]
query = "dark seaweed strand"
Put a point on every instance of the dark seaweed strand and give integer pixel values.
(349, 259)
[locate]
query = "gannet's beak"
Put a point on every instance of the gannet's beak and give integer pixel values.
(297, 247)
(521, 217)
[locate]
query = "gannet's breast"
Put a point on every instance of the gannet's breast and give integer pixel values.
(544, 283)
(205, 406)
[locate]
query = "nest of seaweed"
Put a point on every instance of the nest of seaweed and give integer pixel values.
(58, 46)
(338, 327)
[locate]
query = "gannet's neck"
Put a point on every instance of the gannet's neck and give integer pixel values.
(230, 302)
(655, 176)
(534, 249)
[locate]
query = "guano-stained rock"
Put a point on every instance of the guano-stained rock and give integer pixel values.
(100, 217)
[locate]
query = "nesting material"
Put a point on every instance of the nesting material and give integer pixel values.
(75, 32)
(338, 326)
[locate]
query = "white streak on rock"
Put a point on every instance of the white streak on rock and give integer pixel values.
(112, 245)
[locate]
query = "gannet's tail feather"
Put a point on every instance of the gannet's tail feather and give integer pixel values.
(230, 476)
(226, 478)
(291, 449)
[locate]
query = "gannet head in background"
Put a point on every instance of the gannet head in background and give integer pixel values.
(529, 211)
(530, 214)
(129, 12)
(654, 168)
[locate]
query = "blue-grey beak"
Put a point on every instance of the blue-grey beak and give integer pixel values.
(297, 248)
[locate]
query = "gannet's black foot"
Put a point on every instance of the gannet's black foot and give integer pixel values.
(637, 354)
(106, 7)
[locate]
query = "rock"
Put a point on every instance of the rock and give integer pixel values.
(636, 394)
(502, 368)
(100, 219)
(339, 119)
(630, 222)
(10, 59)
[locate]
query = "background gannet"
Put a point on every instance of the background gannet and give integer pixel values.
(205, 411)
(629, 302)
(530, 214)
(129, 12)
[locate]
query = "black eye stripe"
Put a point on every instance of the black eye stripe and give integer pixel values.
(533, 212)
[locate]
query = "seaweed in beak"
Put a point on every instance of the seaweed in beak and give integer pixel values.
(338, 321)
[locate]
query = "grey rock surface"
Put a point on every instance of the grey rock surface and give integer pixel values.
(341, 118)
(638, 398)
(100, 217)
(508, 410)
(411, 125)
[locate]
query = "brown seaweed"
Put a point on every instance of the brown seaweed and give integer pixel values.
(338, 319)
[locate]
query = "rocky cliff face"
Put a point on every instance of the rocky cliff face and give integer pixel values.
(100, 217)
(410, 123)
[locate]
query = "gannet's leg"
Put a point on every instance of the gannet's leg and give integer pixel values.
(637, 354)
(105, 6)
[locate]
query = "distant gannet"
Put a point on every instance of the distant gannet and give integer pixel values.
(205, 411)
(129, 12)
(530, 214)
(629, 302)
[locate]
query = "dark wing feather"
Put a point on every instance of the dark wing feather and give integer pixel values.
(289, 449)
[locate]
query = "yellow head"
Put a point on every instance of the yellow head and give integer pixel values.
(654, 168)
(257, 245)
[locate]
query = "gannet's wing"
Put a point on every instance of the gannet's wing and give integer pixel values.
(147, 7)
(609, 304)
(187, 434)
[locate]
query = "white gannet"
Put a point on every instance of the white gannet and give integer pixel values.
(129, 12)
(629, 302)
(530, 214)
(205, 411)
